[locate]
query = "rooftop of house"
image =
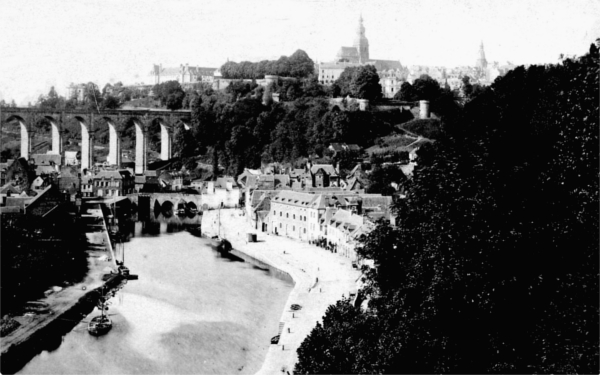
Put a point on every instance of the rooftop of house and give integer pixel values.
(46, 159)
(115, 174)
(294, 198)
(327, 168)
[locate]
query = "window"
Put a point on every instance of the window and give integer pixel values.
(304, 230)
(294, 217)
(294, 228)
(280, 213)
(287, 215)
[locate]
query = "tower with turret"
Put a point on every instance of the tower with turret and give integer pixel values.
(361, 43)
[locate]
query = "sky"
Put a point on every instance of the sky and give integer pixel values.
(56, 42)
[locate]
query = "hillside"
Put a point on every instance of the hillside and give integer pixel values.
(427, 128)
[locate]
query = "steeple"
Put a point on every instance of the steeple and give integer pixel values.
(360, 42)
(481, 61)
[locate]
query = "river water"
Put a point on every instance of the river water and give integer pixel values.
(192, 311)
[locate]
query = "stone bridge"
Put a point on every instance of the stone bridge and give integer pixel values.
(169, 202)
(90, 123)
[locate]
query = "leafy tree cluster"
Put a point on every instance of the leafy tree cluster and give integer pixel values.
(442, 100)
(298, 65)
(361, 82)
(494, 265)
(238, 131)
(469, 90)
(170, 94)
(292, 89)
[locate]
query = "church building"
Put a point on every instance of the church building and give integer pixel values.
(390, 71)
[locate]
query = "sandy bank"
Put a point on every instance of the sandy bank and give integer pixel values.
(321, 278)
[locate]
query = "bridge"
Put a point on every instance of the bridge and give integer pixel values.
(90, 123)
(168, 203)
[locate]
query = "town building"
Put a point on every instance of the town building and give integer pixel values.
(184, 74)
(113, 183)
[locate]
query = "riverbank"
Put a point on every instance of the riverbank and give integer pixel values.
(66, 306)
(321, 279)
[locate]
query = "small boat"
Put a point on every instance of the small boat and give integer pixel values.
(100, 325)
(223, 245)
(193, 210)
(181, 211)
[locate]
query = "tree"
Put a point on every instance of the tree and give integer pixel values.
(110, 102)
(406, 93)
(341, 86)
(170, 94)
(301, 65)
(365, 83)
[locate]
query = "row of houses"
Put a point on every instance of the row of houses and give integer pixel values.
(336, 218)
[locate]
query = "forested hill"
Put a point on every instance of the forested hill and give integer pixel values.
(494, 266)
(243, 132)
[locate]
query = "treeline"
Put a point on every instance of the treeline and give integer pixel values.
(298, 65)
(494, 264)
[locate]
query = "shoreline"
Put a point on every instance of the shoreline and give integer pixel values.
(66, 307)
(320, 279)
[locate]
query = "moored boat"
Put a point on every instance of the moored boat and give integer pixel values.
(99, 325)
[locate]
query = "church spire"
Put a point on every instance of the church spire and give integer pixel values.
(481, 61)
(360, 42)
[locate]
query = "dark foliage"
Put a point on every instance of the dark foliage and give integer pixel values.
(38, 254)
(493, 267)
(298, 65)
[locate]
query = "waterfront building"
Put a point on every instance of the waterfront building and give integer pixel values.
(220, 193)
(113, 183)
(171, 180)
(302, 215)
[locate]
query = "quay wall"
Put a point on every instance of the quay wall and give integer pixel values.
(49, 333)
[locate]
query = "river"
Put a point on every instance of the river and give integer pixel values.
(192, 311)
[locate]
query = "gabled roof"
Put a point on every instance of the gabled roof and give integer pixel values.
(44, 169)
(294, 198)
(45, 159)
(337, 147)
(327, 168)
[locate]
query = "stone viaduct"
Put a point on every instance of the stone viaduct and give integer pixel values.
(90, 123)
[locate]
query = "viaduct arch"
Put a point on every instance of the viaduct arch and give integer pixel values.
(116, 121)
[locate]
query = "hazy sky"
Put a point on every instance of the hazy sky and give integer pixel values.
(56, 42)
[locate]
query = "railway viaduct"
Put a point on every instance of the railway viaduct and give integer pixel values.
(90, 122)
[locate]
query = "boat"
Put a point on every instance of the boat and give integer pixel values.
(100, 325)
(181, 211)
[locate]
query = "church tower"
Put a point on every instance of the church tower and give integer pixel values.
(481, 61)
(361, 43)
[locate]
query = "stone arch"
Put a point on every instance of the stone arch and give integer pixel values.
(141, 144)
(167, 209)
(25, 134)
(87, 142)
(114, 141)
(191, 208)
